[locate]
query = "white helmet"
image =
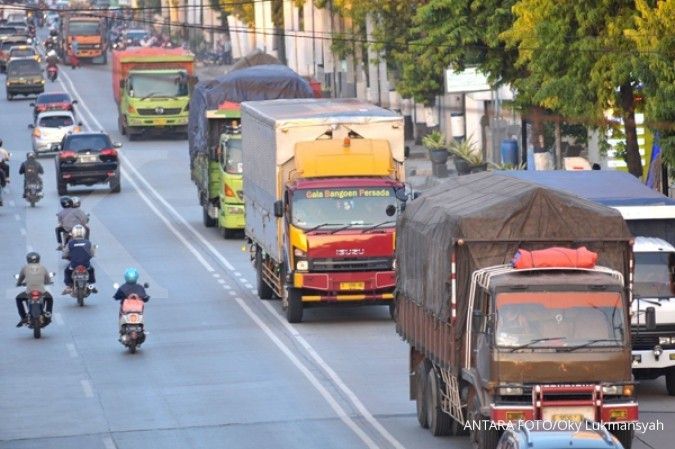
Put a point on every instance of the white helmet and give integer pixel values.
(79, 232)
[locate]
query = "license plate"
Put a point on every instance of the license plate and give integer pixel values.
(568, 417)
(352, 285)
(160, 121)
(88, 158)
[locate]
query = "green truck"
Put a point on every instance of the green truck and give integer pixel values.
(152, 89)
(215, 139)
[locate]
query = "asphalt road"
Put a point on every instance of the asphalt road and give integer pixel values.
(220, 368)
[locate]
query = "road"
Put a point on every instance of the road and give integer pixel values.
(221, 368)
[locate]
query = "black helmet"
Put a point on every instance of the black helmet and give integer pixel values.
(30, 156)
(53, 32)
(66, 202)
(33, 257)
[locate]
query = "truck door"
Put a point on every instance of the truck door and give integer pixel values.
(482, 333)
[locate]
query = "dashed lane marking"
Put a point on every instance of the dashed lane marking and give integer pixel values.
(87, 388)
(71, 350)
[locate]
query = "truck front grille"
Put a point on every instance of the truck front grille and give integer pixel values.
(376, 264)
(644, 339)
(159, 111)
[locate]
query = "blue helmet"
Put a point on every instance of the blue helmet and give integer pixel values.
(131, 275)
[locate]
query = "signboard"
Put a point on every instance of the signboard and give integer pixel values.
(469, 80)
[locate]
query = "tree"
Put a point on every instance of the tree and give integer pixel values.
(654, 35)
(580, 62)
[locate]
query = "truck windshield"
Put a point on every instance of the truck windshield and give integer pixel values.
(149, 85)
(83, 28)
(339, 207)
(233, 156)
(654, 275)
(559, 319)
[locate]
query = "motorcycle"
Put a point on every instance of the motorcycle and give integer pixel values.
(33, 192)
(81, 287)
(37, 315)
(132, 330)
(52, 73)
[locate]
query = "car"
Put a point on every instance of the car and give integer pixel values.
(24, 51)
(25, 77)
(53, 101)
(558, 435)
(87, 158)
(49, 129)
(134, 37)
(6, 45)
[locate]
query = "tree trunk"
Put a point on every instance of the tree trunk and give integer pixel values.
(628, 115)
(537, 129)
(558, 146)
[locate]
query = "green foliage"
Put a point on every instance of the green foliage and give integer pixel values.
(466, 150)
(434, 141)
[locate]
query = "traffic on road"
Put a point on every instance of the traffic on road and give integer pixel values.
(333, 305)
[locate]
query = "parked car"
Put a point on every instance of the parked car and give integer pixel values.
(558, 435)
(49, 129)
(25, 77)
(53, 101)
(87, 159)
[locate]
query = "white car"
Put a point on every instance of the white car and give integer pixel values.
(49, 129)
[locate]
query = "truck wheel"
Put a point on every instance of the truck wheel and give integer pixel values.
(264, 290)
(116, 184)
(120, 125)
(481, 436)
(294, 309)
(208, 221)
(625, 437)
(421, 373)
(228, 233)
(392, 309)
(439, 421)
(670, 381)
(62, 187)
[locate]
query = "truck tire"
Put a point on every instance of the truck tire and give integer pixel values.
(61, 187)
(421, 373)
(625, 437)
(294, 309)
(481, 436)
(670, 381)
(440, 423)
(228, 233)
(120, 125)
(264, 290)
(208, 221)
(116, 184)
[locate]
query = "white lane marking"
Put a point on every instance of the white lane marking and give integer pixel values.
(247, 285)
(315, 382)
(216, 275)
(254, 290)
(29, 248)
(232, 292)
(71, 350)
(58, 319)
(17, 217)
(87, 388)
(238, 274)
(227, 287)
(109, 443)
(220, 281)
(23, 232)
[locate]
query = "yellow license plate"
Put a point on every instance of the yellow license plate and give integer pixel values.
(570, 417)
(160, 121)
(352, 285)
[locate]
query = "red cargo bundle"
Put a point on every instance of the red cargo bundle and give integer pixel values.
(555, 257)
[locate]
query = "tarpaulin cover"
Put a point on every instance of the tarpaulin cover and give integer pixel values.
(255, 57)
(495, 215)
(555, 257)
(261, 82)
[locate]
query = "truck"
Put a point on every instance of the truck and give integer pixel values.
(152, 89)
(323, 184)
(89, 31)
(494, 342)
(216, 139)
(651, 218)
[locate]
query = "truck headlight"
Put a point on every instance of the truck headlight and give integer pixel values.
(612, 389)
(234, 210)
(302, 265)
(666, 340)
(511, 391)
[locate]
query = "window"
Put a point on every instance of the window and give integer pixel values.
(87, 142)
(56, 121)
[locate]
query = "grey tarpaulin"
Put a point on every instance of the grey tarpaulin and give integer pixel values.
(262, 82)
(495, 215)
(255, 57)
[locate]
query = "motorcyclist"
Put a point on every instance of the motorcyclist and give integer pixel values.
(68, 217)
(4, 160)
(52, 58)
(35, 277)
(3, 183)
(80, 252)
(31, 169)
(131, 287)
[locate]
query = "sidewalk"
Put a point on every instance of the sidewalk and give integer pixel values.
(418, 169)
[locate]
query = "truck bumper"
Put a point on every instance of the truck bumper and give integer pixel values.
(157, 122)
(231, 216)
(346, 287)
(647, 359)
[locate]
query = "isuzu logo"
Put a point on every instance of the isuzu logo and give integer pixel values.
(159, 111)
(350, 252)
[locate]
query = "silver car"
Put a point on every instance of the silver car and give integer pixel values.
(49, 129)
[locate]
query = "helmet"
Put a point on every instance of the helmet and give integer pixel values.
(0, 142)
(75, 201)
(66, 202)
(30, 156)
(33, 257)
(78, 232)
(131, 275)
(53, 32)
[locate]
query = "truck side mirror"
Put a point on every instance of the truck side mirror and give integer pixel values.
(650, 318)
(122, 84)
(279, 209)
(31, 126)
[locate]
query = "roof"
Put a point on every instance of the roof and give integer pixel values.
(608, 187)
(652, 245)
